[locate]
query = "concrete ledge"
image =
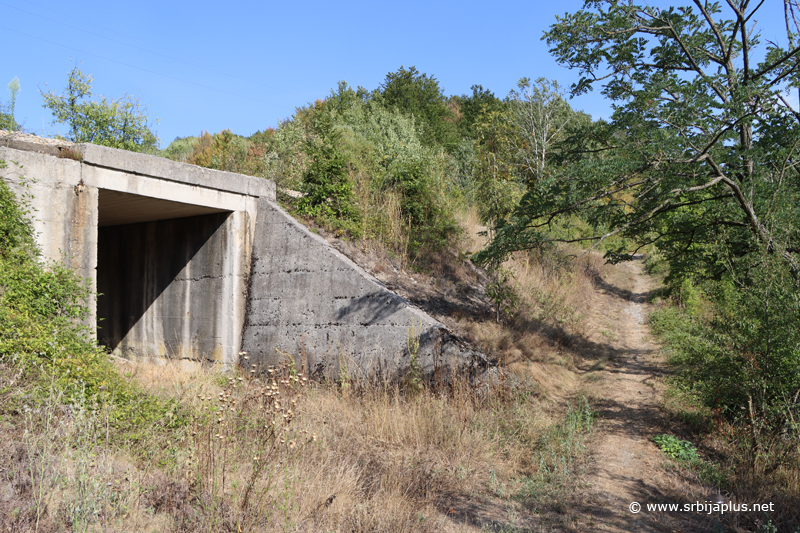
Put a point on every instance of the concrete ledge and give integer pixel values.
(159, 167)
(143, 165)
(27, 146)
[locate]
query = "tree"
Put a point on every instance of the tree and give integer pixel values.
(121, 123)
(326, 183)
(791, 13)
(390, 160)
(7, 121)
(472, 106)
(700, 160)
(497, 189)
(344, 97)
(702, 144)
(221, 151)
(540, 115)
(416, 94)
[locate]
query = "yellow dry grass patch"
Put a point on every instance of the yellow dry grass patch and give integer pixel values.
(557, 297)
(380, 459)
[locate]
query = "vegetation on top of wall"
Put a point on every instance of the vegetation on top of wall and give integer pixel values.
(325, 183)
(7, 121)
(121, 123)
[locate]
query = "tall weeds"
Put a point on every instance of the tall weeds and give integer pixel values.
(278, 453)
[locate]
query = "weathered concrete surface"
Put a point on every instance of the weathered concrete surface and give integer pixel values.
(171, 171)
(198, 264)
(141, 227)
(64, 209)
(164, 282)
(310, 301)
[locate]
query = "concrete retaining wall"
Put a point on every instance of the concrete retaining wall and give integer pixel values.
(309, 300)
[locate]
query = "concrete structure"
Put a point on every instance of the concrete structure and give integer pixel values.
(198, 264)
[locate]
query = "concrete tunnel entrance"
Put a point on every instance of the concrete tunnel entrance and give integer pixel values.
(201, 264)
(161, 277)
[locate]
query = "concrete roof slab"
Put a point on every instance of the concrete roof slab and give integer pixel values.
(116, 208)
(159, 167)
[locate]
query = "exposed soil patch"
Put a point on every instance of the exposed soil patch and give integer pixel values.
(457, 290)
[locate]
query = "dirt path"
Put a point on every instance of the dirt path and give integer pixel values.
(625, 465)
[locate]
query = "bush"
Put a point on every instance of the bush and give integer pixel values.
(41, 310)
(221, 151)
(7, 121)
(676, 449)
(16, 232)
(326, 184)
(431, 225)
(738, 346)
(387, 147)
(180, 149)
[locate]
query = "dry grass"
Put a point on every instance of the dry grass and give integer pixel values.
(283, 455)
(543, 335)
(772, 474)
(555, 287)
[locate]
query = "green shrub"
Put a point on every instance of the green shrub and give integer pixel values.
(326, 183)
(16, 232)
(221, 151)
(676, 449)
(41, 312)
(741, 355)
(7, 121)
(352, 142)
(430, 224)
(180, 149)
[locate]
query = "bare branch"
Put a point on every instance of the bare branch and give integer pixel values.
(698, 187)
(796, 114)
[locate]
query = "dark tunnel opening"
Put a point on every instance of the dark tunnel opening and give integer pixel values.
(159, 266)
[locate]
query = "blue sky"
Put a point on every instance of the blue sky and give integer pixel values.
(246, 66)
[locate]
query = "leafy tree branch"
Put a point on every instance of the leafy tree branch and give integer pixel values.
(121, 123)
